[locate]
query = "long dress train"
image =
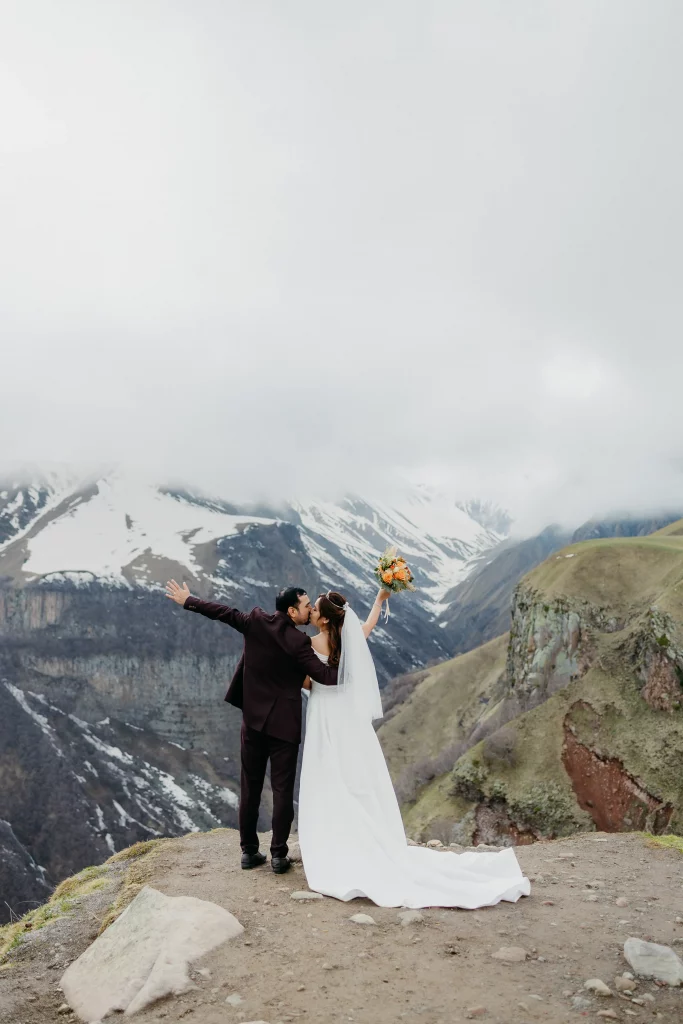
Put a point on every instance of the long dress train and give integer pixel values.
(351, 834)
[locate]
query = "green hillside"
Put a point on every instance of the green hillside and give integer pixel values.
(572, 721)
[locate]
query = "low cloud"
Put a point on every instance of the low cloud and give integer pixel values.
(281, 251)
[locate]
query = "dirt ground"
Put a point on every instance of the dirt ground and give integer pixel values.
(307, 961)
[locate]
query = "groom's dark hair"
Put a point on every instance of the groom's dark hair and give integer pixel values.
(288, 598)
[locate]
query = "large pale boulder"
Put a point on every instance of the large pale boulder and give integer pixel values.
(145, 955)
(650, 960)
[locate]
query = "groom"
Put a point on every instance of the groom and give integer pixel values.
(266, 687)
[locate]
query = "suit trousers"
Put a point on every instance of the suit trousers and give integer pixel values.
(256, 749)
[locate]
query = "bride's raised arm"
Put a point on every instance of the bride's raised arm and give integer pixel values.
(373, 617)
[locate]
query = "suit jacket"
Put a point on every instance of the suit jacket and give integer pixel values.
(277, 658)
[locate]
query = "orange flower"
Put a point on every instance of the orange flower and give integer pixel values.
(387, 576)
(399, 574)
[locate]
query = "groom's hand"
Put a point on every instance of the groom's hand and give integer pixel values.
(176, 592)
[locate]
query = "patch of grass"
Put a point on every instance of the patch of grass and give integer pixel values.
(62, 901)
(444, 707)
(66, 895)
(208, 832)
(84, 882)
(669, 842)
(140, 849)
(137, 876)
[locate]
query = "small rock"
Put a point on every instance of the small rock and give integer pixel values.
(650, 960)
(305, 895)
(487, 848)
(205, 972)
(294, 852)
(362, 919)
(597, 986)
(328, 967)
(510, 954)
(648, 997)
(411, 842)
(609, 1014)
(567, 993)
(621, 901)
(548, 903)
(591, 898)
(475, 1011)
(638, 1002)
(234, 1000)
(581, 1003)
(622, 984)
(434, 844)
(456, 847)
(407, 917)
(64, 1008)
(301, 988)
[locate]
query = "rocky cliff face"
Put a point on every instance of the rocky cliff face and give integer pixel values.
(581, 725)
(112, 728)
(115, 695)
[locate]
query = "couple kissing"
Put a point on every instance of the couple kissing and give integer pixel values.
(351, 834)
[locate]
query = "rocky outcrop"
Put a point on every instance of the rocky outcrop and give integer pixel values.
(77, 791)
(545, 652)
(615, 800)
(584, 727)
(478, 609)
(657, 651)
(23, 884)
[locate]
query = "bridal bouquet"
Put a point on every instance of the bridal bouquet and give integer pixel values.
(392, 572)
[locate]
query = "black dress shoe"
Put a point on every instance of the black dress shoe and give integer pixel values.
(253, 860)
(280, 864)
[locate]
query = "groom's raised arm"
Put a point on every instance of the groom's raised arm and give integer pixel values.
(299, 647)
(221, 612)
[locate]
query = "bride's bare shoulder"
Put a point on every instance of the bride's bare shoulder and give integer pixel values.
(320, 644)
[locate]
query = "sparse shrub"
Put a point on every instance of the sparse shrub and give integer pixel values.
(663, 641)
(544, 808)
(468, 778)
(498, 790)
(399, 690)
(417, 775)
(500, 747)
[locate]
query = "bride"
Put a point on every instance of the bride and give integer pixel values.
(350, 829)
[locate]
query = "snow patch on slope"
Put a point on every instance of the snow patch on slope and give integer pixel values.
(124, 520)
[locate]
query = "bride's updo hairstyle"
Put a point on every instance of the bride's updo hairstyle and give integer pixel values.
(331, 607)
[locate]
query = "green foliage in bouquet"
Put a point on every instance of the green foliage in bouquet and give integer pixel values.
(392, 572)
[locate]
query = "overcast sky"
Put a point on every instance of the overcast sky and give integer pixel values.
(310, 246)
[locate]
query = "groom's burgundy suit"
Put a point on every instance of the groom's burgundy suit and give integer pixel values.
(266, 686)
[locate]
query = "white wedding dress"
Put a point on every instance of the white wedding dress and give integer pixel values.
(350, 829)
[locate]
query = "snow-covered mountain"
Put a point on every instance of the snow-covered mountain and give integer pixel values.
(111, 697)
(122, 531)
